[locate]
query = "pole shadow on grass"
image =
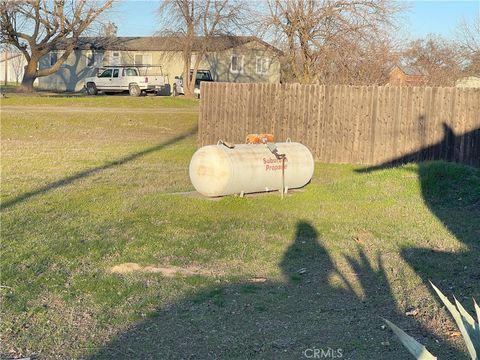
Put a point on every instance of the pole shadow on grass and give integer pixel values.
(95, 170)
(292, 319)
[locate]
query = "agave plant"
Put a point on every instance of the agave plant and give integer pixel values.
(469, 328)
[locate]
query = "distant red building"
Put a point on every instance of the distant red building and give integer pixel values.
(401, 75)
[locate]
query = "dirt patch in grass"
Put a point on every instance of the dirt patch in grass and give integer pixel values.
(167, 271)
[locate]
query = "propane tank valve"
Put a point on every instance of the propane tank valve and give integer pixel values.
(274, 150)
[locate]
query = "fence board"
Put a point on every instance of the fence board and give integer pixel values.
(348, 124)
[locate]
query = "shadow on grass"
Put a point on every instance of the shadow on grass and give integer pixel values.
(451, 192)
(95, 170)
(278, 320)
(310, 311)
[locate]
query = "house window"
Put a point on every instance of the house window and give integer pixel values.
(142, 59)
(90, 56)
(53, 58)
(236, 64)
(262, 65)
(138, 59)
(193, 60)
(115, 58)
(147, 59)
(93, 58)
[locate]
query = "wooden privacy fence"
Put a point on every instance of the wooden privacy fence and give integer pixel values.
(348, 124)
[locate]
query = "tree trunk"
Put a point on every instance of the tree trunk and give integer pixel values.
(6, 67)
(29, 75)
(187, 88)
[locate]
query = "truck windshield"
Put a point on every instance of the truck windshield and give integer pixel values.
(204, 76)
(130, 72)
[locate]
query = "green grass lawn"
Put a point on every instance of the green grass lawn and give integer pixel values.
(47, 99)
(9, 85)
(88, 196)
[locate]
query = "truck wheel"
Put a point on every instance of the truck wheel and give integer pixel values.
(134, 90)
(92, 89)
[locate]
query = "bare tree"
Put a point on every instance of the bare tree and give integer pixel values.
(440, 59)
(325, 38)
(468, 37)
(468, 34)
(356, 62)
(193, 24)
(36, 27)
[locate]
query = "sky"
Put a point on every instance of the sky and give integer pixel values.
(138, 17)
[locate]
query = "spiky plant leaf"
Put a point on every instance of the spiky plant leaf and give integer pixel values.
(460, 322)
(470, 320)
(470, 325)
(477, 310)
(412, 345)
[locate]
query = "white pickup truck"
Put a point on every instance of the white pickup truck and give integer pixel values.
(136, 80)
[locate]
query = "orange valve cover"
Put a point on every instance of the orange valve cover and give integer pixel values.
(259, 138)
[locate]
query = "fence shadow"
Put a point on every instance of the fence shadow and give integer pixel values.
(450, 148)
(95, 170)
(272, 319)
(452, 194)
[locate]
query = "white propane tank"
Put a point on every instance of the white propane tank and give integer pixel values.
(217, 170)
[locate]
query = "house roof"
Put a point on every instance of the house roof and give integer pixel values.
(410, 70)
(158, 43)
